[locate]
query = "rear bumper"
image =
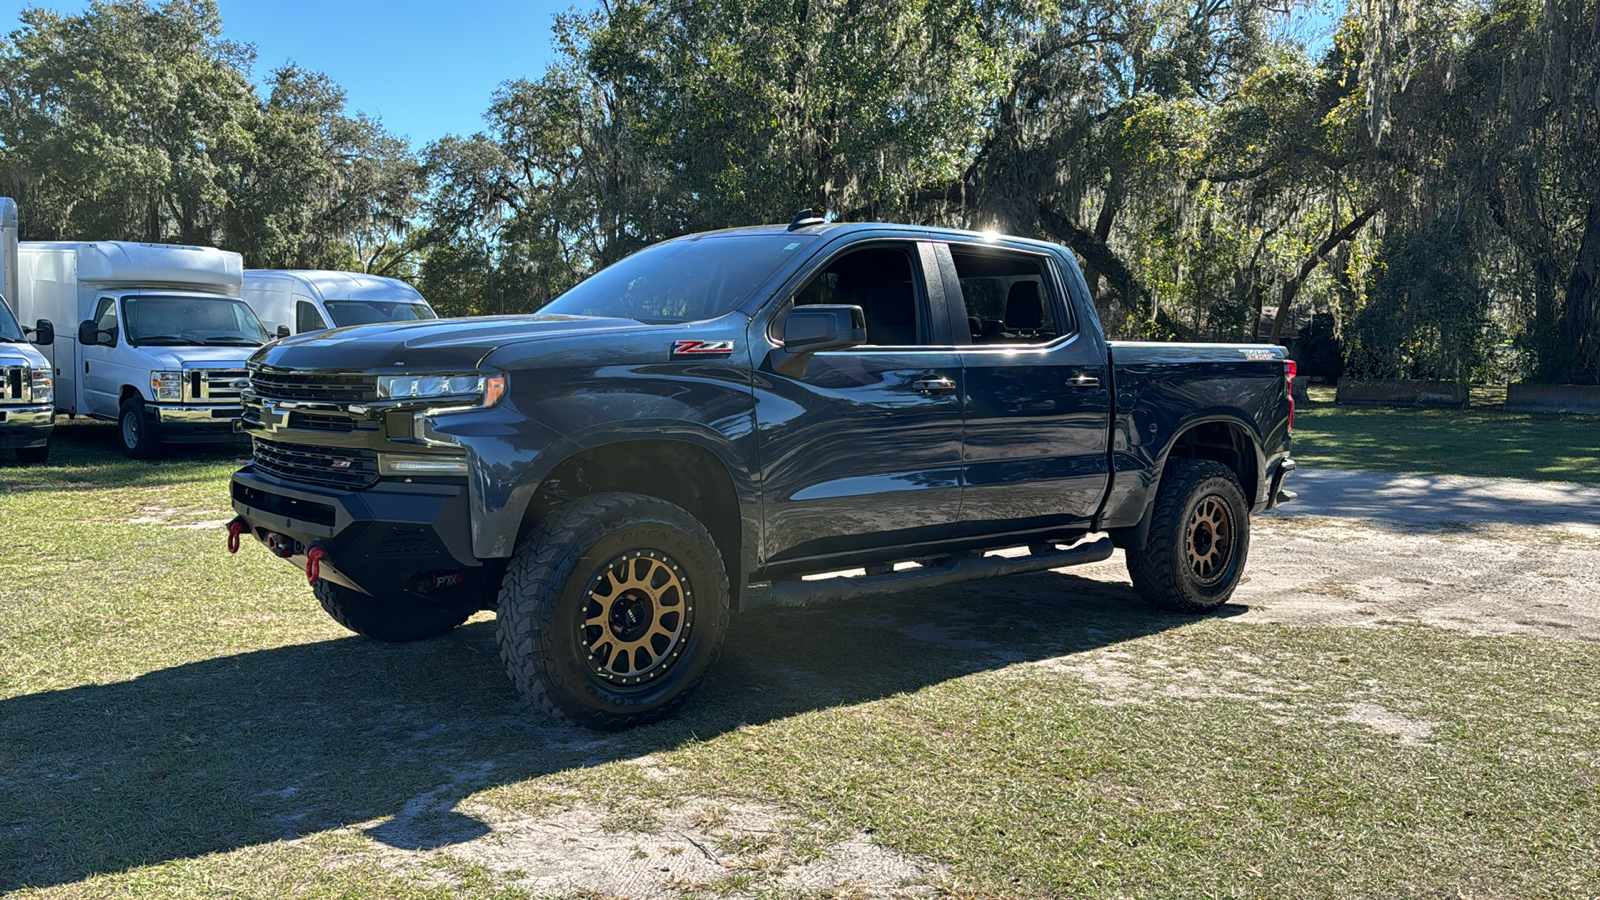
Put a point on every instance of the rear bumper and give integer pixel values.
(22, 427)
(1277, 494)
(393, 540)
(196, 424)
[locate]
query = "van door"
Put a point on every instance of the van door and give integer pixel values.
(102, 374)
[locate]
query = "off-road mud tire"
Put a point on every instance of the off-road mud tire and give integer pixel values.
(140, 438)
(383, 620)
(1162, 571)
(547, 588)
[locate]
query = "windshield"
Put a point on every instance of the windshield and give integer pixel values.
(202, 321)
(680, 281)
(9, 330)
(369, 312)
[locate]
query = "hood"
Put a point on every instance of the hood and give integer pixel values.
(22, 355)
(444, 344)
(196, 357)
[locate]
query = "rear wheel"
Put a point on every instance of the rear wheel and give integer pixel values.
(612, 611)
(1199, 539)
(141, 438)
(381, 620)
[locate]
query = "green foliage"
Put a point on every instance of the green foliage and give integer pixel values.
(1428, 313)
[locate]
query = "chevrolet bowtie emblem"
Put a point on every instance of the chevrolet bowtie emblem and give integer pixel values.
(273, 418)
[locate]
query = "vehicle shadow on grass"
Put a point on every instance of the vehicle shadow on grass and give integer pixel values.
(247, 749)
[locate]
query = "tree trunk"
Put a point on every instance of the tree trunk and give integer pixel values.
(1580, 321)
(1309, 265)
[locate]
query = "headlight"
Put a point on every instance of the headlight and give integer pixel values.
(416, 464)
(166, 385)
(481, 390)
(44, 387)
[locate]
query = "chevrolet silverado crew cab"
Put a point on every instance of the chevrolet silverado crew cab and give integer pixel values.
(613, 474)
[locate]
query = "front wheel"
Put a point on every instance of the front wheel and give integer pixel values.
(611, 612)
(141, 439)
(1199, 539)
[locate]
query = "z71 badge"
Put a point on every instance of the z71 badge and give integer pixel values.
(702, 348)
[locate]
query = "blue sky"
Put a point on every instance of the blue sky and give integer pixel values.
(426, 68)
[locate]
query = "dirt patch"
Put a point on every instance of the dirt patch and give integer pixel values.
(725, 849)
(1384, 721)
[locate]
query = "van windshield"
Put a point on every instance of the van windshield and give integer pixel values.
(192, 321)
(371, 312)
(10, 331)
(680, 281)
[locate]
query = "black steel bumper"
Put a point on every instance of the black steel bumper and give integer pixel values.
(393, 540)
(22, 427)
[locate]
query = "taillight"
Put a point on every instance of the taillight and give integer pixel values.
(1289, 368)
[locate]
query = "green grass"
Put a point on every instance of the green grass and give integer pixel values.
(1479, 441)
(178, 722)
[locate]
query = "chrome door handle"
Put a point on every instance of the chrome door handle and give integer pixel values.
(1082, 380)
(934, 384)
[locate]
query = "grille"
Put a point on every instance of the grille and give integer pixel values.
(314, 422)
(325, 466)
(214, 384)
(15, 384)
(313, 386)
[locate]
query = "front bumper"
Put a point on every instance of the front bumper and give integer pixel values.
(393, 540)
(22, 427)
(196, 424)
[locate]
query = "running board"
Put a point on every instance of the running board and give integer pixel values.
(845, 587)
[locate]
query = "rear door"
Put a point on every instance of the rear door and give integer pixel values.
(1037, 393)
(862, 448)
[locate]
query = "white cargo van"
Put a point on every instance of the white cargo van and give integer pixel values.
(162, 336)
(310, 300)
(27, 408)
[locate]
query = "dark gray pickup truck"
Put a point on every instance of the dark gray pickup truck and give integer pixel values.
(747, 407)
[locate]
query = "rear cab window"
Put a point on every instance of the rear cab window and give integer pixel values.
(1010, 296)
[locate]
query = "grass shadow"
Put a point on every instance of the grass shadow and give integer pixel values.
(251, 748)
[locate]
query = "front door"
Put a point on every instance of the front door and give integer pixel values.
(1038, 399)
(862, 448)
(102, 375)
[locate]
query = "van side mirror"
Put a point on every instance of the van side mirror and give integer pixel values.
(90, 336)
(282, 332)
(813, 329)
(44, 333)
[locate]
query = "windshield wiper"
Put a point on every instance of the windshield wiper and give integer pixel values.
(232, 339)
(162, 339)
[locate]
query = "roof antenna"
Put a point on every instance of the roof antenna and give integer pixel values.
(807, 216)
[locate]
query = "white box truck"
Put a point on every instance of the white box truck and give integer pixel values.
(162, 336)
(27, 407)
(298, 301)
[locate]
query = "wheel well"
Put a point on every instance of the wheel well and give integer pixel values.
(1221, 442)
(683, 474)
(128, 392)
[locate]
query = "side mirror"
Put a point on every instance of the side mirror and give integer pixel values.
(44, 333)
(813, 329)
(282, 332)
(90, 336)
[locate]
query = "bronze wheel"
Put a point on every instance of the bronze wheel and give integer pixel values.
(637, 613)
(1209, 539)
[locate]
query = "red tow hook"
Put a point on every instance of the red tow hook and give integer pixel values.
(235, 528)
(314, 555)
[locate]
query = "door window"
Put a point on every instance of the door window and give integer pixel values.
(105, 317)
(882, 281)
(1008, 296)
(306, 318)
